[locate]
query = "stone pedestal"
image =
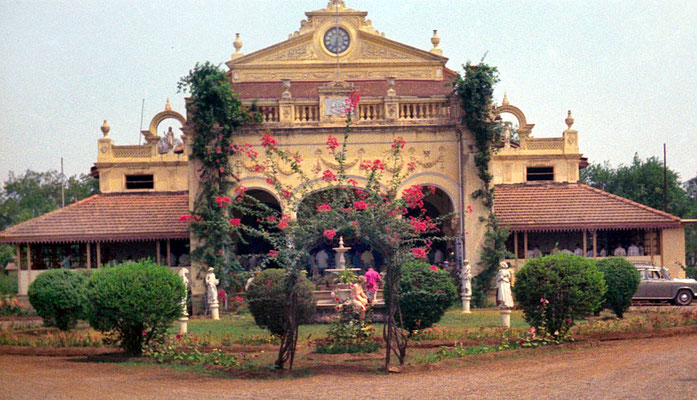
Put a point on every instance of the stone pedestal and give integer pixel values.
(466, 304)
(183, 325)
(215, 315)
(505, 317)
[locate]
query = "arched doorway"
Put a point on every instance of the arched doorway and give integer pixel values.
(439, 207)
(250, 248)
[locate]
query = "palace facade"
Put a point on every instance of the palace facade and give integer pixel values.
(405, 92)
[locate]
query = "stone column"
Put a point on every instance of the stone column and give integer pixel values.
(88, 250)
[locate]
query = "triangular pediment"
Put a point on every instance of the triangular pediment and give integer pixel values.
(305, 53)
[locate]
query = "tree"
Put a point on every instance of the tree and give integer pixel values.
(642, 181)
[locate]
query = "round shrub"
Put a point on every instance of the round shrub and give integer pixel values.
(424, 295)
(267, 300)
(138, 301)
(555, 290)
(622, 280)
(58, 296)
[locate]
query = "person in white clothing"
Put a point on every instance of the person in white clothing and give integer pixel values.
(619, 251)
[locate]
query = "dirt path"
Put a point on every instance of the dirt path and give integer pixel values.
(638, 369)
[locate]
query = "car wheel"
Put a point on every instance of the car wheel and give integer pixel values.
(683, 298)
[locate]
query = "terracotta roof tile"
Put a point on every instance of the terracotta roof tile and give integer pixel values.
(303, 90)
(108, 217)
(572, 206)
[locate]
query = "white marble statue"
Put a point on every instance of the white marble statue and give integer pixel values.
(182, 274)
(211, 286)
(503, 284)
(467, 279)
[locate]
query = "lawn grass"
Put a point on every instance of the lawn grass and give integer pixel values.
(241, 329)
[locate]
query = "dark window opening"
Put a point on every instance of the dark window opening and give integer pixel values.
(540, 174)
(139, 182)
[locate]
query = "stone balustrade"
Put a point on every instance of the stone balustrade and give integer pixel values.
(371, 111)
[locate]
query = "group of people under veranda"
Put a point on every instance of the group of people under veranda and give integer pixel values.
(632, 251)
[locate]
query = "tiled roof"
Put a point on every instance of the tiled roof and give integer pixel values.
(377, 88)
(108, 217)
(572, 206)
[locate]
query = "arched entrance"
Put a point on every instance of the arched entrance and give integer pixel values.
(439, 207)
(250, 248)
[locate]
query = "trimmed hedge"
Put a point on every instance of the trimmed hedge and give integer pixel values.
(622, 279)
(424, 295)
(58, 296)
(138, 301)
(267, 300)
(555, 290)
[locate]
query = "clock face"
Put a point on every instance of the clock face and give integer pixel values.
(337, 40)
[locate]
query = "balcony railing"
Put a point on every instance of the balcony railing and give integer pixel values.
(371, 111)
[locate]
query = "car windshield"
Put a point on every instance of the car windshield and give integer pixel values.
(665, 273)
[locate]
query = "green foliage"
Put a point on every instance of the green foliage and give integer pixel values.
(9, 305)
(622, 280)
(346, 276)
(475, 91)
(555, 290)
(348, 334)
(8, 284)
(184, 349)
(268, 300)
(58, 296)
(216, 114)
(138, 301)
(424, 295)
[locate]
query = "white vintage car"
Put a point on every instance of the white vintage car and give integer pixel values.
(657, 285)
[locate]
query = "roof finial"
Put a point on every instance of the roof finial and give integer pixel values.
(569, 119)
(435, 40)
(168, 107)
(105, 129)
(504, 102)
(238, 45)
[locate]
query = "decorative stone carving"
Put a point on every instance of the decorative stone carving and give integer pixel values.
(302, 52)
(184, 320)
(371, 51)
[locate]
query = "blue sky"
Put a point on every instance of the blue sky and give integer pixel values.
(627, 70)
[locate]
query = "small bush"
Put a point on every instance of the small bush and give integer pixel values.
(138, 301)
(622, 280)
(267, 300)
(555, 290)
(424, 295)
(58, 296)
(8, 283)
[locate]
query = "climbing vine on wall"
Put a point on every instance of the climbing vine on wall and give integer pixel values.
(475, 91)
(215, 115)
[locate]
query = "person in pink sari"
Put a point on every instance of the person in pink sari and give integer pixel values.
(373, 281)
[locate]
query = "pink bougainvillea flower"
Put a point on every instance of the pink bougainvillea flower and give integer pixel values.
(285, 193)
(283, 224)
(435, 269)
(411, 166)
(239, 299)
(329, 234)
(398, 142)
(186, 218)
(544, 301)
(235, 222)
(222, 201)
(324, 208)
(469, 209)
(328, 176)
(333, 294)
(360, 205)
(418, 252)
(273, 254)
(432, 188)
(353, 182)
(414, 196)
(145, 333)
(332, 143)
(270, 180)
(355, 223)
(269, 141)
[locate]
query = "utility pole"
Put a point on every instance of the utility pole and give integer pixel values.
(665, 180)
(62, 185)
(142, 110)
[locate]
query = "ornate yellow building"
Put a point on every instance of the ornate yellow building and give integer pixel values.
(299, 83)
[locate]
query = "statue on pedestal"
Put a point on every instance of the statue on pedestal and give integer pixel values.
(212, 292)
(183, 321)
(504, 297)
(466, 282)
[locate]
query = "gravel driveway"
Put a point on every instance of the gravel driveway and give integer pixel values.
(637, 369)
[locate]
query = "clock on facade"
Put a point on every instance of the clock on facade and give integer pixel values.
(337, 40)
